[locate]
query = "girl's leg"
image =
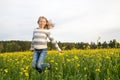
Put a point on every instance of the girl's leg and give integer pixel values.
(35, 59)
(42, 56)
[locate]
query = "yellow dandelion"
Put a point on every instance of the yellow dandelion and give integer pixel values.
(85, 68)
(24, 70)
(56, 63)
(60, 54)
(26, 74)
(21, 73)
(6, 70)
(78, 65)
(68, 60)
(72, 59)
(45, 71)
(97, 70)
(56, 68)
(51, 60)
(27, 67)
(108, 79)
(107, 57)
(76, 57)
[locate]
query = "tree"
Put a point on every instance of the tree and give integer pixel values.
(115, 43)
(105, 45)
(93, 45)
(1, 46)
(99, 45)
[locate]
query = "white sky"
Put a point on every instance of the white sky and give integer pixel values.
(75, 20)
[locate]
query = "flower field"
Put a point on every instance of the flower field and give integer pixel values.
(98, 64)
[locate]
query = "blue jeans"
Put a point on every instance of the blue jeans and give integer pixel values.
(38, 59)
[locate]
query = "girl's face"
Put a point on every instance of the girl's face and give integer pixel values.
(42, 22)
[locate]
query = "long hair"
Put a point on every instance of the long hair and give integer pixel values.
(48, 25)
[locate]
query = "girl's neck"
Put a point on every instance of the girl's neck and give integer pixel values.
(41, 27)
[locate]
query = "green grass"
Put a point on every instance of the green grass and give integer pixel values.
(103, 64)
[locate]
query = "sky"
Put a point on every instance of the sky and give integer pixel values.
(75, 20)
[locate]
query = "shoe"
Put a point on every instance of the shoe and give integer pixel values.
(39, 70)
(49, 67)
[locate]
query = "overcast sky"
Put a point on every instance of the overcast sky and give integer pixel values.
(75, 20)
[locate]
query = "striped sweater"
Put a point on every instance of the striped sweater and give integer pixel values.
(39, 40)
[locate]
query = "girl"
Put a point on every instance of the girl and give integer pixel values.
(39, 44)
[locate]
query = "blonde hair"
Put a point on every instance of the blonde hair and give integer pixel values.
(49, 24)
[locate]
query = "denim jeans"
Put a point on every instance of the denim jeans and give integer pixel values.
(38, 59)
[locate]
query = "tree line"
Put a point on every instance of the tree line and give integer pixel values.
(12, 46)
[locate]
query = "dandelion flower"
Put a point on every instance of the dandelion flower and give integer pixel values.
(6, 70)
(76, 58)
(97, 70)
(78, 65)
(68, 60)
(26, 74)
(52, 61)
(85, 68)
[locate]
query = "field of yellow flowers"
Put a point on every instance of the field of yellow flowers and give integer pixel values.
(99, 64)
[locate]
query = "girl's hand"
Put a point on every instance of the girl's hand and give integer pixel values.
(60, 51)
(31, 50)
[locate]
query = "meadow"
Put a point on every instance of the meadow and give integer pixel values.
(98, 64)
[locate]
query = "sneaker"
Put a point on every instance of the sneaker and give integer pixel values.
(39, 70)
(49, 67)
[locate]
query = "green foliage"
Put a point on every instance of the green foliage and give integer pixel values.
(97, 64)
(12, 46)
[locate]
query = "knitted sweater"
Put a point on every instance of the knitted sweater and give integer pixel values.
(39, 40)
